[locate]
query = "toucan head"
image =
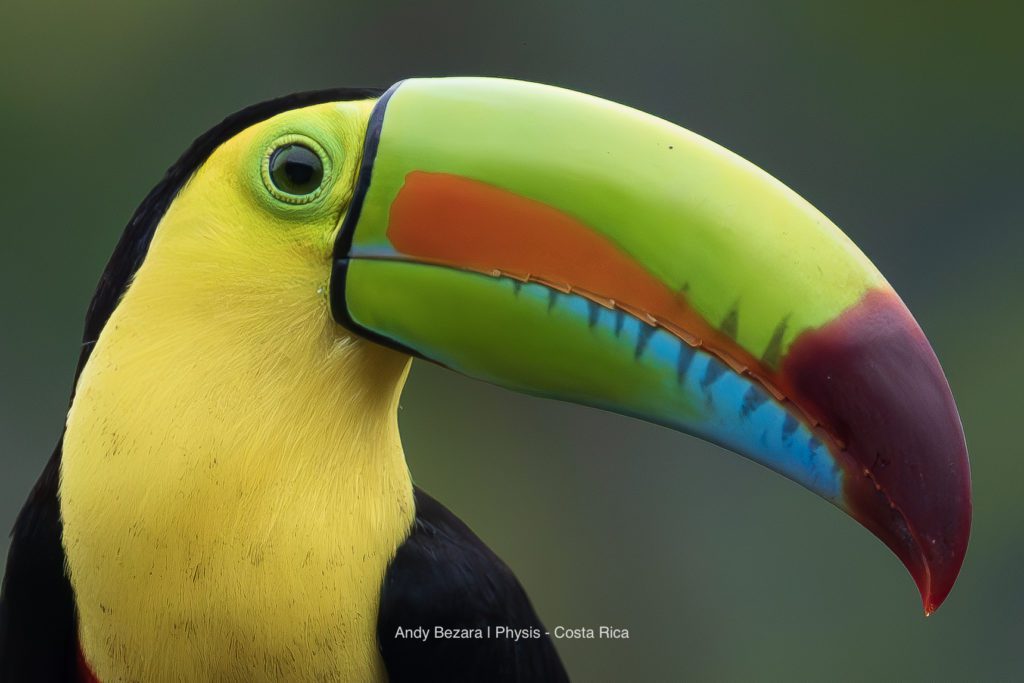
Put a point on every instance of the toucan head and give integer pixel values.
(568, 247)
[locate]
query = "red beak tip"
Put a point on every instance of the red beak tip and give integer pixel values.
(936, 587)
(928, 601)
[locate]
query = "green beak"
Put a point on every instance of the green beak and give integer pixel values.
(572, 248)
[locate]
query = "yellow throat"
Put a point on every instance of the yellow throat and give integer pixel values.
(233, 484)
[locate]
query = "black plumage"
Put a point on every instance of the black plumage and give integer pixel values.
(443, 575)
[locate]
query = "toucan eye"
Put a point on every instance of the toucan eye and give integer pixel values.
(296, 170)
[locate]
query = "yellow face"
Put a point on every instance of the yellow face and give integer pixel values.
(274, 192)
(228, 440)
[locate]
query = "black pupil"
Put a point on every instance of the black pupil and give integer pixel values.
(296, 169)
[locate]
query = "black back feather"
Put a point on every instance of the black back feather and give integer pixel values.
(445, 576)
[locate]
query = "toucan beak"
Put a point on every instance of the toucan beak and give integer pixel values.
(572, 248)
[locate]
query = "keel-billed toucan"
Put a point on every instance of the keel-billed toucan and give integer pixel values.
(230, 499)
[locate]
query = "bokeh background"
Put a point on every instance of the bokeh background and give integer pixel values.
(901, 120)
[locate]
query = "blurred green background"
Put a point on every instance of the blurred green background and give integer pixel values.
(900, 120)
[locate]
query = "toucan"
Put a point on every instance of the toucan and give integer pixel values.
(230, 500)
